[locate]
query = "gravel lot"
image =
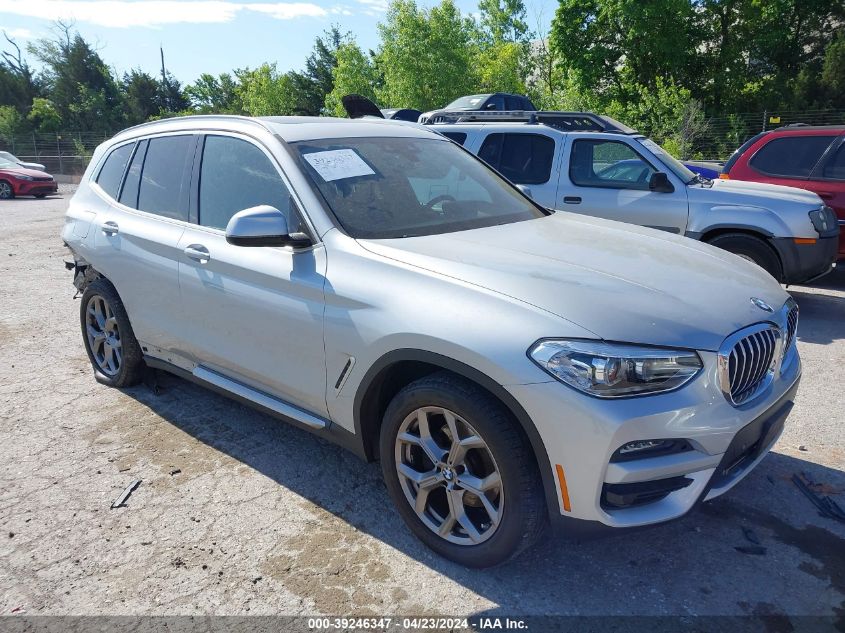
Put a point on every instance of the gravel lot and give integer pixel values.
(241, 514)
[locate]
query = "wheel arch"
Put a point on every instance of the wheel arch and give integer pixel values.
(395, 369)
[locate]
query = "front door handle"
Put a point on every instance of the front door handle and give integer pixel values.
(110, 228)
(198, 253)
(572, 199)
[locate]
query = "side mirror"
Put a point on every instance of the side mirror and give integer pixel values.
(263, 226)
(490, 106)
(659, 183)
(525, 190)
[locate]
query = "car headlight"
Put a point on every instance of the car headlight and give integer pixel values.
(24, 177)
(612, 370)
(823, 219)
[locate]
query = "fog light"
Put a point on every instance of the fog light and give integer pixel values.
(642, 449)
(640, 445)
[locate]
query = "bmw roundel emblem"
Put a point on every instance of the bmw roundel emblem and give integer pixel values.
(762, 304)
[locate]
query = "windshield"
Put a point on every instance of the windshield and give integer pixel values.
(473, 102)
(674, 165)
(404, 187)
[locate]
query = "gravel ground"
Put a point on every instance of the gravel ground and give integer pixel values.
(241, 514)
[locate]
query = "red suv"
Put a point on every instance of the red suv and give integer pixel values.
(812, 158)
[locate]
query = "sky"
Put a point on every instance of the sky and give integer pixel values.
(209, 35)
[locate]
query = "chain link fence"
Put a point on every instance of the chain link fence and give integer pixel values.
(719, 136)
(65, 153)
(713, 139)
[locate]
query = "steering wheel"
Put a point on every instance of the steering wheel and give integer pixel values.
(441, 198)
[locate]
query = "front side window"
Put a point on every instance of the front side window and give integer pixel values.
(236, 175)
(525, 159)
(111, 173)
(790, 156)
(163, 178)
(609, 164)
(404, 187)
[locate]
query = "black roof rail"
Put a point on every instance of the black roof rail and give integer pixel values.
(567, 121)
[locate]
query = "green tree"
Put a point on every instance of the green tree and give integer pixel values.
(79, 83)
(503, 20)
(141, 93)
(43, 116)
(214, 94)
(11, 122)
(265, 92)
(18, 86)
(426, 55)
(315, 82)
(354, 73)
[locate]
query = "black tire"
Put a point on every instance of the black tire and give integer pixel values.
(6, 190)
(523, 512)
(753, 248)
(130, 369)
(40, 195)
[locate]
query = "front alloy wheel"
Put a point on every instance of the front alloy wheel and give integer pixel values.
(6, 191)
(461, 471)
(449, 476)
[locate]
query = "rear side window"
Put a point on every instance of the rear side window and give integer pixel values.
(790, 156)
(129, 193)
(459, 137)
(163, 188)
(835, 168)
(111, 173)
(525, 159)
(236, 175)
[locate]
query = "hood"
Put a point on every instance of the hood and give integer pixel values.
(757, 194)
(619, 281)
(358, 106)
(34, 173)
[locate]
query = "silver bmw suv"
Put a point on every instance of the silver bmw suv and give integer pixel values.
(381, 287)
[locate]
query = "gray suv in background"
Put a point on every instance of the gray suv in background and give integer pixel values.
(375, 284)
(593, 165)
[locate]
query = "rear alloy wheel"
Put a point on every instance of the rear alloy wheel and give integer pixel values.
(6, 191)
(111, 345)
(460, 471)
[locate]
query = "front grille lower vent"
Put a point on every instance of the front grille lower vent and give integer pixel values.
(746, 362)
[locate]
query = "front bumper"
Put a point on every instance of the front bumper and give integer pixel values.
(805, 262)
(582, 433)
(36, 188)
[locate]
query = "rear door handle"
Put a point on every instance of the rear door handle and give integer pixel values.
(110, 228)
(198, 253)
(572, 199)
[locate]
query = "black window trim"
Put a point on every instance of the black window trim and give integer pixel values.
(197, 173)
(788, 136)
(552, 138)
(830, 152)
(645, 186)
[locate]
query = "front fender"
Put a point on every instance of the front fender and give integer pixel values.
(752, 219)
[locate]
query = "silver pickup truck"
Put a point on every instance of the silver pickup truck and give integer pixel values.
(594, 165)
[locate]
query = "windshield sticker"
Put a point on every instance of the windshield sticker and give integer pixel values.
(654, 147)
(337, 164)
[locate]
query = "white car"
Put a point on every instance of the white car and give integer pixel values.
(14, 159)
(381, 287)
(590, 164)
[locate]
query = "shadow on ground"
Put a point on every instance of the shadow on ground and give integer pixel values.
(700, 548)
(822, 313)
